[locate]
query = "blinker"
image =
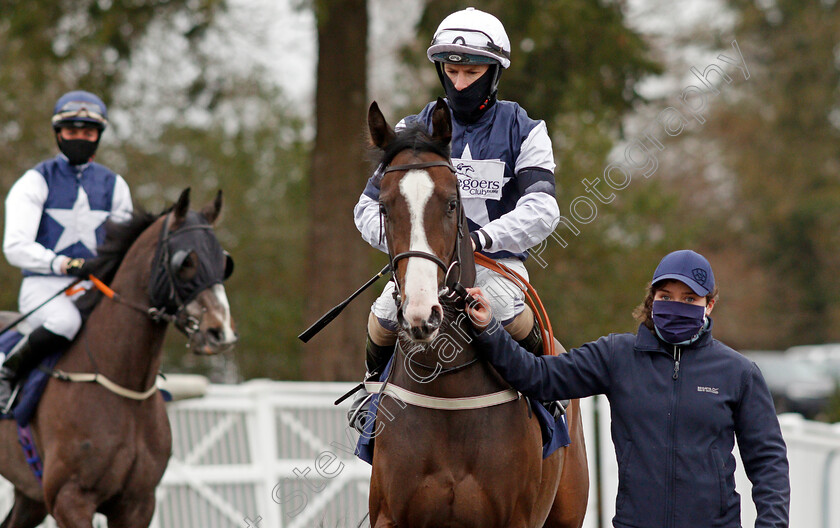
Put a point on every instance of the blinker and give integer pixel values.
(229, 266)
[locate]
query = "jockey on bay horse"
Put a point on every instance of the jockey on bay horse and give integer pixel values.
(505, 170)
(55, 219)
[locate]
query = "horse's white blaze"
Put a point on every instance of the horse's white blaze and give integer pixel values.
(212, 308)
(421, 288)
(228, 335)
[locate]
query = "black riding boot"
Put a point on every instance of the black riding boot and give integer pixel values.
(25, 356)
(376, 357)
(533, 343)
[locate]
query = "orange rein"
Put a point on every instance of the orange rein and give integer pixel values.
(534, 302)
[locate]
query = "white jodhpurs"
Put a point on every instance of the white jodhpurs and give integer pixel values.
(59, 316)
(505, 298)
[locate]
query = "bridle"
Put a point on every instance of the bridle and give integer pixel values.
(174, 309)
(168, 306)
(449, 290)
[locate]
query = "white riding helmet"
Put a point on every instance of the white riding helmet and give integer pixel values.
(470, 37)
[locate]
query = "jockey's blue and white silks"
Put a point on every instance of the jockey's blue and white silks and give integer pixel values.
(58, 210)
(526, 210)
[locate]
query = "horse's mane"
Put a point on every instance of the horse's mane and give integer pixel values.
(416, 138)
(119, 236)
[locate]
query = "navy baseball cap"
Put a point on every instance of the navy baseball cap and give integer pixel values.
(688, 267)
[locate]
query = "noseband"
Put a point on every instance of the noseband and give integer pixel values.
(454, 261)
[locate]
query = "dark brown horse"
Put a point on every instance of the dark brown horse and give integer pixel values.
(103, 451)
(479, 462)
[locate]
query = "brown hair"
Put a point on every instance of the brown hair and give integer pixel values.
(643, 312)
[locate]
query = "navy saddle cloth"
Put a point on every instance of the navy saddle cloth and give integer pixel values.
(34, 385)
(554, 434)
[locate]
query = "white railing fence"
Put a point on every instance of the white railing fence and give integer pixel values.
(267, 454)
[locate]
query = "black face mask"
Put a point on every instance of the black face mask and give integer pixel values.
(78, 151)
(168, 290)
(472, 102)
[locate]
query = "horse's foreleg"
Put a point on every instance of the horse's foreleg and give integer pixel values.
(25, 513)
(131, 513)
(73, 507)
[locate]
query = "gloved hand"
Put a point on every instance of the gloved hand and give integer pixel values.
(476, 241)
(480, 240)
(75, 267)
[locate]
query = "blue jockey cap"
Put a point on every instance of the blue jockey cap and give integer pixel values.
(688, 267)
(80, 108)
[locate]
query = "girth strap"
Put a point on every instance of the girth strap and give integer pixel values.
(446, 404)
(85, 377)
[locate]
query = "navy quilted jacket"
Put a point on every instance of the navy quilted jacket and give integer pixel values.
(676, 412)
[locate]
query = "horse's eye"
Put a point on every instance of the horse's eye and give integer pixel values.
(453, 205)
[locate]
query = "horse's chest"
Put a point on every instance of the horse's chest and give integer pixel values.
(123, 447)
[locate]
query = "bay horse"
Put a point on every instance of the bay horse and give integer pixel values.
(480, 465)
(102, 451)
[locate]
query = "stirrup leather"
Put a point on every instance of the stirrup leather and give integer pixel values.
(14, 390)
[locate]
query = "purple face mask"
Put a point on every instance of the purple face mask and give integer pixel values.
(678, 323)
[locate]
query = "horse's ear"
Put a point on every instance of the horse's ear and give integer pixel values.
(211, 211)
(182, 205)
(441, 122)
(381, 134)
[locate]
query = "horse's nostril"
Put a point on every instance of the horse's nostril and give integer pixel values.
(215, 334)
(436, 318)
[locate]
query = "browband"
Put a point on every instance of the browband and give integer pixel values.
(424, 165)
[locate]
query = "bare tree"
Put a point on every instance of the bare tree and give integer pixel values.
(337, 259)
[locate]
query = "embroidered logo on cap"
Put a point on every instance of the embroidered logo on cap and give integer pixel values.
(699, 275)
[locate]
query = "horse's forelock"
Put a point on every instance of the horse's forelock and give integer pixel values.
(417, 139)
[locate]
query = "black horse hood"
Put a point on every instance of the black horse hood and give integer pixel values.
(187, 261)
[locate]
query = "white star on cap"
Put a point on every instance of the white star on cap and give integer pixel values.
(79, 223)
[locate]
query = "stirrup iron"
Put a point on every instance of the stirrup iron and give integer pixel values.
(357, 416)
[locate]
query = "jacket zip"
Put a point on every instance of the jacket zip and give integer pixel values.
(670, 508)
(677, 357)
